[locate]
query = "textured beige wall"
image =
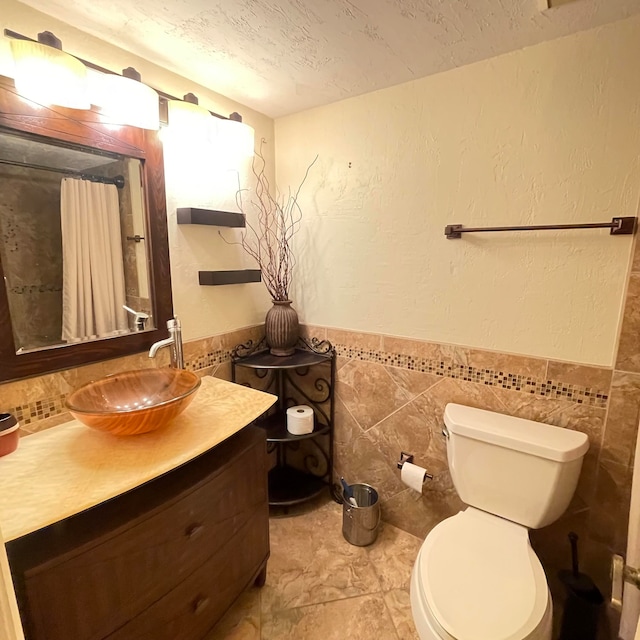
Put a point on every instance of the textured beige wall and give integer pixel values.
(548, 134)
(192, 181)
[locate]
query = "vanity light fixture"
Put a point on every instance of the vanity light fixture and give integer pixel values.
(47, 75)
(235, 138)
(188, 119)
(125, 99)
(232, 138)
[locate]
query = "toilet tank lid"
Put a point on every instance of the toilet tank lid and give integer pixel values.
(528, 436)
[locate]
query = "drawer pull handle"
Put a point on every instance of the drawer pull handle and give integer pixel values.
(200, 605)
(194, 530)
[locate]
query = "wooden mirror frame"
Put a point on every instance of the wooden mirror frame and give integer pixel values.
(84, 128)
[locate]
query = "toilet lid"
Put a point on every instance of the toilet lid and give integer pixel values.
(481, 579)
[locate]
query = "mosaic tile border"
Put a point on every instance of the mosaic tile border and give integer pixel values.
(448, 369)
(49, 407)
(210, 359)
(39, 410)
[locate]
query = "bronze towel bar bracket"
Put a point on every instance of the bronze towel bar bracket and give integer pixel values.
(618, 226)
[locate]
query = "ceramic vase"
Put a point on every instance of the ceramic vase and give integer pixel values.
(281, 328)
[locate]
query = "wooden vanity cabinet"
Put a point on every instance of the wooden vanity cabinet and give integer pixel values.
(161, 562)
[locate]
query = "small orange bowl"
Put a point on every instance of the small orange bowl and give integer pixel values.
(134, 402)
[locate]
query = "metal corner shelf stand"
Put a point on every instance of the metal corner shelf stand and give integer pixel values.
(303, 464)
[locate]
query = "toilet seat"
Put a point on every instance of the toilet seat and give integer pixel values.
(477, 577)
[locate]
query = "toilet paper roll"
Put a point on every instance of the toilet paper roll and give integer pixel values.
(413, 476)
(300, 420)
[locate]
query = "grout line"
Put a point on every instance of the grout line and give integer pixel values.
(344, 404)
(331, 601)
(260, 616)
(393, 622)
(403, 391)
(546, 369)
(406, 404)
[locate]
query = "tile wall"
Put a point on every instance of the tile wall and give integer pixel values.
(390, 397)
(30, 240)
(38, 402)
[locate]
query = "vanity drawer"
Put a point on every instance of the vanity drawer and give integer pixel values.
(193, 607)
(91, 590)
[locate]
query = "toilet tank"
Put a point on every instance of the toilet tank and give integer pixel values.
(521, 470)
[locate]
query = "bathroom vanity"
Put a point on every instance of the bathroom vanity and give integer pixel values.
(150, 536)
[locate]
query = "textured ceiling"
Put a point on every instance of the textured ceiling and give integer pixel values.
(283, 56)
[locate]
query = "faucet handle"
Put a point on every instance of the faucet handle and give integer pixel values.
(173, 323)
(139, 317)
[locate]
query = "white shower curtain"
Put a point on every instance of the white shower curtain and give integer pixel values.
(631, 596)
(93, 289)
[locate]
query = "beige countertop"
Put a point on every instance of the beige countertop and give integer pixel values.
(59, 472)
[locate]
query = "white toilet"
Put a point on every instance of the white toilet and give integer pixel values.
(476, 576)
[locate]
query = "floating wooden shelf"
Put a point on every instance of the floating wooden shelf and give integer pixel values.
(214, 278)
(192, 215)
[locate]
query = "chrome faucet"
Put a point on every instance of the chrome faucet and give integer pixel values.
(139, 317)
(174, 341)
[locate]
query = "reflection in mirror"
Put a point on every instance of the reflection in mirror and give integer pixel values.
(72, 229)
(76, 142)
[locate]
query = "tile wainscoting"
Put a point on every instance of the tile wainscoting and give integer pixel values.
(38, 402)
(390, 396)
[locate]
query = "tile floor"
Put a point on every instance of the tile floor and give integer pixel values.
(320, 587)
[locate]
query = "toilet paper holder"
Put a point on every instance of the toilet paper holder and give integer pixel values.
(408, 457)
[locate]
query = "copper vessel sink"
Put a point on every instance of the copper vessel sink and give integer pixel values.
(134, 402)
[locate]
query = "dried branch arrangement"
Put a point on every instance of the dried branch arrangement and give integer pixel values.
(268, 239)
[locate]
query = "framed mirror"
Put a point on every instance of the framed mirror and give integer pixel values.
(78, 288)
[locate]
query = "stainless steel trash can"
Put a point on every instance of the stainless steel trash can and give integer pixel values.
(360, 524)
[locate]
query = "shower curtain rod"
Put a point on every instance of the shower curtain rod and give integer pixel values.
(117, 180)
(625, 226)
